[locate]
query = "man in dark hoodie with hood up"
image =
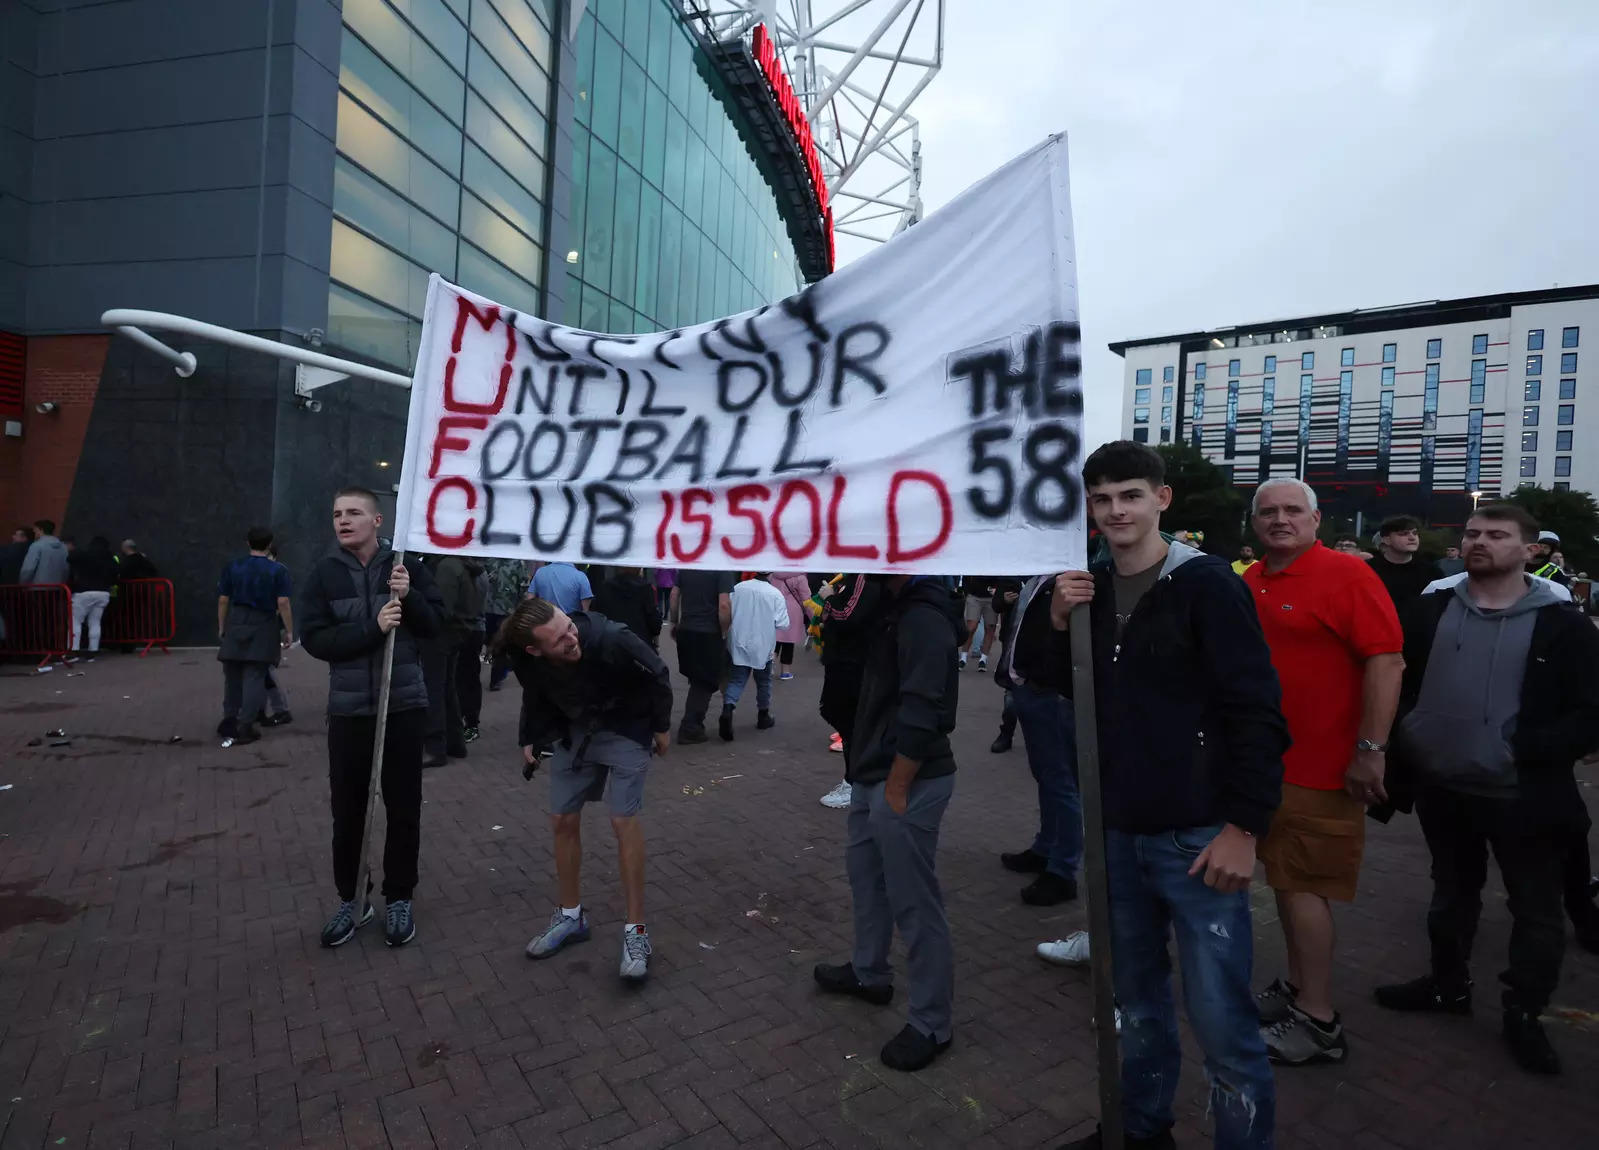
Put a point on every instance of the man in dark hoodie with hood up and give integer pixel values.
(1499, 702)
(1191, 741)
(346, 614)
(902, 773)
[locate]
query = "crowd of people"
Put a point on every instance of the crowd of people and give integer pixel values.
(1250, 710)
(93, 574)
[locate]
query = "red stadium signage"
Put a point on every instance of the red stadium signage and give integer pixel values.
(798, 123)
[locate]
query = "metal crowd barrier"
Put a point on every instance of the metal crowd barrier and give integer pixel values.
(37, 620)
(143, 611)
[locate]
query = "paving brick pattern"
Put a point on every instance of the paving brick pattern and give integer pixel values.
(161, 982)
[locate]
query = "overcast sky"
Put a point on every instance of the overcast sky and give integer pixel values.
(1241, 161)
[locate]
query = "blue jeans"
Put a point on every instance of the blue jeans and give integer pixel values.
(738, 677)
(1152, 894)
(1050, 732)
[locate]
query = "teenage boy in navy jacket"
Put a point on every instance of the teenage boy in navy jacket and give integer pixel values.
(1191, 739)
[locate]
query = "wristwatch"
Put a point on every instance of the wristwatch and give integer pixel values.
(1368, 745)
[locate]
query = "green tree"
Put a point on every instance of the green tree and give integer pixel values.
(1203, 499)
(1572, 515)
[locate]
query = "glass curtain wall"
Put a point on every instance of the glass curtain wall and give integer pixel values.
(443, 137)
(672, 222)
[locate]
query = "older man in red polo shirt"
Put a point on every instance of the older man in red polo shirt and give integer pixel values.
(1336, 643)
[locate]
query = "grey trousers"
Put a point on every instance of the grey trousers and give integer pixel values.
(891, 860)
(243, 690)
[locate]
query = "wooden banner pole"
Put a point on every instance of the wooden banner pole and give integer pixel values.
(363, 870)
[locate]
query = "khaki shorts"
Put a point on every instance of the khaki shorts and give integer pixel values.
(979, 607)
(1315, 843)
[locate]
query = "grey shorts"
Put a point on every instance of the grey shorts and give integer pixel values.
(980, 607)
(575, 781)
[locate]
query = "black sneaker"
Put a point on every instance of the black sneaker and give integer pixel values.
(1529, 1045)
(1425, 994)
(471, 734)
(764, 721)
(1049, 890)
(841, 979)
(246, 734)
(1096, 1141)
(724, 725)
(1028, 861)
(434, 761)
(342, 926)
(401, 927)
(1000, 745)
(281, 719)
(227, 728)
(910, 1050)
(686, 735)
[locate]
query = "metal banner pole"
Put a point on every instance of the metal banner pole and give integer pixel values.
(1094, 873)
(363, 870)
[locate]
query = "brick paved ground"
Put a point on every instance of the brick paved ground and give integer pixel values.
(161, 982)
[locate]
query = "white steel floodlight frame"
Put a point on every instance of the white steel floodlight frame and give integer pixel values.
(314, 368)
(869, 143)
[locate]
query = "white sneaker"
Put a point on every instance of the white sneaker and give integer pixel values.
(1069, 951)
(635, 954)
(838, 798)
(982, 662)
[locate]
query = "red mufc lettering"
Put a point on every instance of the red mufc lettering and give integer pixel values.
(435, 536)
(486, 318)
(946, 516)
(443, 441)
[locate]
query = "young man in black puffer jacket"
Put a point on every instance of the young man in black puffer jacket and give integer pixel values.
(345, 618)
(902, 772)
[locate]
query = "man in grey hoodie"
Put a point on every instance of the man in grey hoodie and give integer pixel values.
(1499, 702)
(46, 561)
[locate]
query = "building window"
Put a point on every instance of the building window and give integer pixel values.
(1346, 358)
(1168, 373)
(1568, 362)
(1529, 417)
(1563, 465)
(1568, 389)
(1529, 440)
(1562, 487)
(1140, 415)
(1429, 400)
(1268, 397)
(1307, 361)
(1199, 370)
(1479, 379)
(1346, 403)
(1534, 387)
(1271, 364)
(1535, 339)
(1140, 395)
(1390, 352)
(1307, 393)
(1140, 435)
(1562, 441)
(1166, 394)
(1568, 336)
(1535, 365)
(1232, 369)
(1529, 466)
(1435, 348)
(1385, 429)
(1165, 435)
(1479, 345)
(1387, 377)
(1567, 415)
(1165, 415)
(1141, 377)
(1474, 451)
(1230, 443)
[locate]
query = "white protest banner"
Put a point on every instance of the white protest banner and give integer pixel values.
(918, 410)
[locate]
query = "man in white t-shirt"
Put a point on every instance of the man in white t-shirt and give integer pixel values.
(759, 612)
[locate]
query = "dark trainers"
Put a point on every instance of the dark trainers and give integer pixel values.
(1276, 1002)
(1300, 1040)
(1529, 1045)
(1028, 861)
(1425, 994)
(841, 979)
(471, 734)
(1000, 745)
(227, 728)
(1049, 889)
(724, 725)
(247, 734)
(764, 721)
(342, 926)
(1096, 1141)
(910, 1050)
(401, 927)
(696, 734)
(281, 719)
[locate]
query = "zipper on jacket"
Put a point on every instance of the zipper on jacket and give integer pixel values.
(1116, 651)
